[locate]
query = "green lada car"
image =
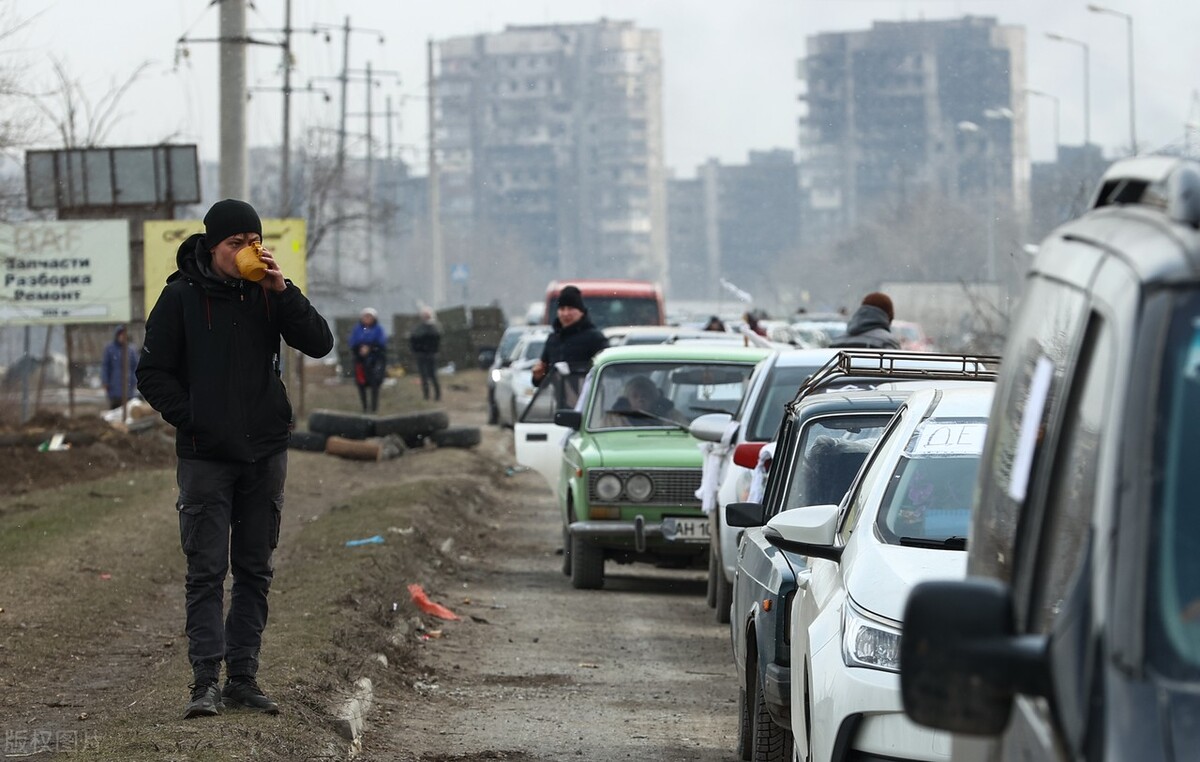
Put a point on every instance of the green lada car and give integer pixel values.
(615, 448)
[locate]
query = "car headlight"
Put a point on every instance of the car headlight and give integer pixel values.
(495, 374)
(868, 643)
(608, 487)
(639, 487)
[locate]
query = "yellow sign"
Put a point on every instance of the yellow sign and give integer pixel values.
(284, 237)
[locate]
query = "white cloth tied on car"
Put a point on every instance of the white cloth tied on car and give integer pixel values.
(758, 477)
(710, 471)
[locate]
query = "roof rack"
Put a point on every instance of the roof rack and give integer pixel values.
(1163, 182)
(889, 365)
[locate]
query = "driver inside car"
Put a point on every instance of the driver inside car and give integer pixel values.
(643, 404)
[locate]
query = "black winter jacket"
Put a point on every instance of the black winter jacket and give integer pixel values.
(210, 360)
(425, 339)
(576, 344)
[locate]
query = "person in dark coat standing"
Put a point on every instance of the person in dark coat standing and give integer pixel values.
(368, 347)
(870, 325)
(119, 378)
(210, 365)
(576, 339)
(424, 341)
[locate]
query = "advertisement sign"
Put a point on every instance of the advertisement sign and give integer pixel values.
(284, 237)
(57, 273)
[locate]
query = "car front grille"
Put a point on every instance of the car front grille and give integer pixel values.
(672, 486)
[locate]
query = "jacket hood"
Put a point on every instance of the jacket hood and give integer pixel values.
(867, 317)
(194, 260)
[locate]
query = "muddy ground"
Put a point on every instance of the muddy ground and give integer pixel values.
(93, 659)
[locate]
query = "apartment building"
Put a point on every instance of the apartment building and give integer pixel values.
(550, 136)
(912, 106)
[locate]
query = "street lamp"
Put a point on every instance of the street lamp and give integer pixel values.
(974, 128)
(1042, 94)
(1087, 100)
(1129, 31)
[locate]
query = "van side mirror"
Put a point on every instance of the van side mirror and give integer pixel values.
(571, 419)
(961, 661)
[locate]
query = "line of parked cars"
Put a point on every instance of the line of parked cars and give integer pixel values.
(925, 556)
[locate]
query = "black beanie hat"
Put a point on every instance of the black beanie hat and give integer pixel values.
(230, 217)
(570, 297)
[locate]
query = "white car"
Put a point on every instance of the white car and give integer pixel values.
(904, 521)
(773, 385)
(514, 386)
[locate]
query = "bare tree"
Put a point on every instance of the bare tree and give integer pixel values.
(78, 121)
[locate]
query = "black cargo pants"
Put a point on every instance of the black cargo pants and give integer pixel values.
(229, 516)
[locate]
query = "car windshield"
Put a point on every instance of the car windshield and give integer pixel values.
(605, 311)
(508, 342)
(665, 395)
(831, 450)
(1175, 583)
(779, 390)
(533, 349)
(928, 498)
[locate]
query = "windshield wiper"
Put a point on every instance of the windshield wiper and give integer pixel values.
(950, 543)
(638, 413)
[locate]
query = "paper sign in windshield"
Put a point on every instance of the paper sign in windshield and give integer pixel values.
(950, 439)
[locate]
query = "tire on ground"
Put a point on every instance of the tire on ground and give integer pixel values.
(723, 597)
(457, 436)
(412, 425)
(340, 424)
(710, 590)
(309, 441)
(587, 565)
(768, 741)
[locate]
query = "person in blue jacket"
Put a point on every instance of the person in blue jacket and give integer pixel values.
(368, 347)
(210, 365)
(119, 386)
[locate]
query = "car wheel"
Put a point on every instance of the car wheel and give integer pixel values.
(713, 571)
(493, 411)
(724, 597)
(743, 740)
(513, 410)
(769, 742)
(587, 564)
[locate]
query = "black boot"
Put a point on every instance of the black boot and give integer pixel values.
(244, 692)
(206, 699)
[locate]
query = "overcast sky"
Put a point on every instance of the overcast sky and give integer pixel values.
(729, 67)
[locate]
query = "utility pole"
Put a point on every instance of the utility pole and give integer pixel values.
(285, 164)
(340, 208)
(339, 202)
(435, 222)
(232, 173)
(370, 175)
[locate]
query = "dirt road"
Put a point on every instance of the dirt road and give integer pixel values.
(91, 623)
(634, 671)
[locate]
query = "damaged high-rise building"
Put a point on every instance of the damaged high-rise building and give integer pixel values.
(550, 139)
